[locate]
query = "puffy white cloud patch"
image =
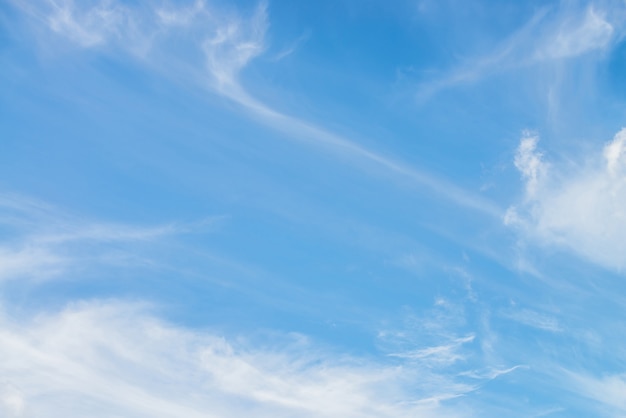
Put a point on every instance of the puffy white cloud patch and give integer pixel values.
(582, 208)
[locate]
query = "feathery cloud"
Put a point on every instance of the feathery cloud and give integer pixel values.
(607, 390)
(577, 36)
(227, 44)
(102, 358)
(549, 36)
(45, 241)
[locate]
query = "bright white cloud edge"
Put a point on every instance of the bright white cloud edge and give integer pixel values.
(580, 207)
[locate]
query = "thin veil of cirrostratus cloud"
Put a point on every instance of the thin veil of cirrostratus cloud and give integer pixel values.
(579, 207)
(228, 44)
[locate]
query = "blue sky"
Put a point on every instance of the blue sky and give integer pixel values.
(313, 209)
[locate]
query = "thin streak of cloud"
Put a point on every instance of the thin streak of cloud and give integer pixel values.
(226, 75)
(491, 374)
(607, 390)
(182, 16)
(303, 130)
(102, 358)
(229, 44)
(575, 37)
(571, 34)
(293, 47)
(534, 319)
(442, 354)
(42, 238)
(30, 262)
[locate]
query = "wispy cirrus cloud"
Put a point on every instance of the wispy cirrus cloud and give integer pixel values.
(579, 206)
(606, 391)
(43, 242)
(440, 342)
(576, 35)
(534, 319)
(30, 261)
(552, 34)
(88, 26)
(94, 23)
(102, 358)
(99, 358)
(292, 47)
(220, 45)
(440, 354)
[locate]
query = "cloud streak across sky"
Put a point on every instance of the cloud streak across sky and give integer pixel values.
(227, 44)
(108, 358)
(171, 246)
(104, 356)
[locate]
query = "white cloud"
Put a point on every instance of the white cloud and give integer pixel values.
(581, 208)
(104, 359)
(549, 36)
(45, 242)
(88, 24)
(233, 46)
(528, 162)
(534, 319)
(446, 354)
(112, 359)
(609, 390)
(575, 37)
(11, 401)
(438, 343)
(227, 44)
(96, 23)
(614, 154)
(292, 47)
(227, 41)
(30, 262)
(182, 16)
(492, 373)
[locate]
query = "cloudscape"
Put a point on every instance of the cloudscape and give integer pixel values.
(335, 209)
